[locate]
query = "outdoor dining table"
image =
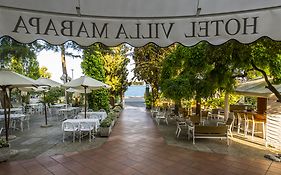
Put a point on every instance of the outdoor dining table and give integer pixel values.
(58, 106)
(34, 108)
(97, 114)
(13, 111)
(68, 112)
(12, 116)
(95, 122)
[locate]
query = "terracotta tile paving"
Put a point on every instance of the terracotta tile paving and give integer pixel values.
(137, 148)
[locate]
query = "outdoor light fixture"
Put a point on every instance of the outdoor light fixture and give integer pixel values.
(78, 8)
(198, 9)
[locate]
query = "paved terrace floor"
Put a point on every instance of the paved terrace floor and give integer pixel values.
(136, 147)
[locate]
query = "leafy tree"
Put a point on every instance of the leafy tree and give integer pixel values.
(92, 65)
(115, 66)
(19, 57)
(235, 60)
(185, 74)
(53, 95)
(148, 66)
(43, 71)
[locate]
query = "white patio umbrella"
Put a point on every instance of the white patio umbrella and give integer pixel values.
(45, 84)
(256, 88)
(78, 90)
(87, 83)
(136, 22)
(8, 81)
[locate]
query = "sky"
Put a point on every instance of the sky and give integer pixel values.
(52, 60)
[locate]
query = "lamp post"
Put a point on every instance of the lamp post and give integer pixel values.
(72, 73)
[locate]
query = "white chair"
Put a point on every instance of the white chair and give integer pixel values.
(242, 123)
(181, 126)
(90, 110)
(29, 110)
(24, 119)
(229, 123)
(69, 127)
(154, 112)
(86, 127)
(102, 110)
(161, 116)
(79, 117)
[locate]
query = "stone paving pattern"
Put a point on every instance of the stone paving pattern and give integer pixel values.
(136, 147)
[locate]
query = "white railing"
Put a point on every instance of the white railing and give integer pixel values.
(273, 130)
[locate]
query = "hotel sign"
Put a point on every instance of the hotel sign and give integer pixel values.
(57, 29)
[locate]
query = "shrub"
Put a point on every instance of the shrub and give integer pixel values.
(3, 143)
(106, 122)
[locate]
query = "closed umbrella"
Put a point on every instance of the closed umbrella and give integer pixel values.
(86, 83)
(8, 81)
(46, 83)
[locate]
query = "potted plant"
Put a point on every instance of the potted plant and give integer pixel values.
(4, 150)
(105, 127)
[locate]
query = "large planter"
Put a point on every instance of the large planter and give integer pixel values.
(105, 131)
(4, 154)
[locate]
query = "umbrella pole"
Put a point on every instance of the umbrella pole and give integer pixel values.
(9, 108)
(45, 108)
(85, 102)
(5, 114)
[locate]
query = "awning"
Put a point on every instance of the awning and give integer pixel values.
(256, 88)
(136, 22)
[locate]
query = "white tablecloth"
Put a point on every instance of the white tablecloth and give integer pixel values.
(95, 122)
(58, 106)
(69, 112)
(13, 111)
(12, 116)
(95, 115)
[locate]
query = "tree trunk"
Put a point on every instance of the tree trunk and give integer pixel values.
(154, 94)
(269, 85)
(7, 104)
(177, 106)
(63, 63)
(112, 101)
(198, 106)
(64, 70)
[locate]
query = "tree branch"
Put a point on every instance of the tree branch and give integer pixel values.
(269, 85)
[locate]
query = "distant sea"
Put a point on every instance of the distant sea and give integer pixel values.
(135, 91)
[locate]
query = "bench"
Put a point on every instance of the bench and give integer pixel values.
(216, 132)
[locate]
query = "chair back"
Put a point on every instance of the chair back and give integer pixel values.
(162, 113)
(24, 117)
(230, 120)
(86, 126)
(241, 116)
(79, 116)
(68, 126)
(93, 117)
(101, 110)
